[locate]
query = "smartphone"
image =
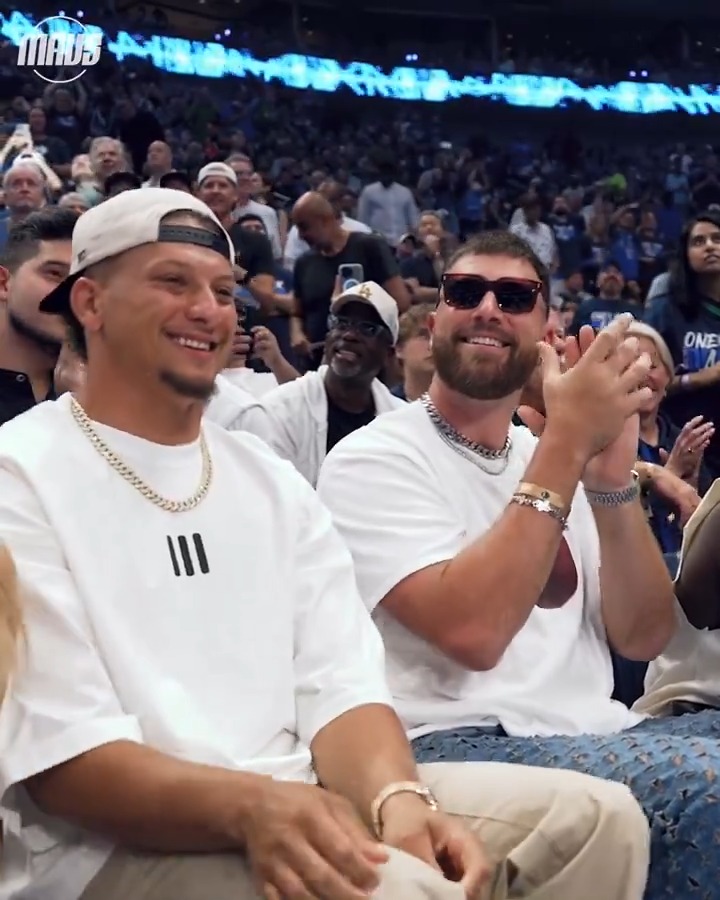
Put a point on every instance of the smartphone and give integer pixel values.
(22, 133)
(246, 323)
(282, 199)
(350, 275)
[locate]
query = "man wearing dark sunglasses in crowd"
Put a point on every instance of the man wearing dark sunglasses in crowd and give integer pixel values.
(310, 415)
(501, 567)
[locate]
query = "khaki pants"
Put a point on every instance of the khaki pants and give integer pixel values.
(552, 835)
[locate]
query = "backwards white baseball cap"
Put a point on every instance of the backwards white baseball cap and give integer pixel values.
(217, 170)
(371, 293)
(130, 220)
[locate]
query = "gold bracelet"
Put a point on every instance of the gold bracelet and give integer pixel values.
(528, 489)
(542, 506)
(390, 790)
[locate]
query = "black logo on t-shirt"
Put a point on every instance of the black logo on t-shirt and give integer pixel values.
(187, 559)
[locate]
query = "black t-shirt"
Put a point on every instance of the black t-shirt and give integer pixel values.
(341, 423)
(138, 133)
(706, 195)
(255, 255)
(314, 277)
(16, 395)
(254, 251)
(694, 345)
(420, 266)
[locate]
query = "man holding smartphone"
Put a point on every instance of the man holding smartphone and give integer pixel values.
(217, 187)
(316, 276)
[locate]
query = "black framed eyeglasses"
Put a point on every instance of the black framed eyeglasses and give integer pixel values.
(513, 295)
(366, 329)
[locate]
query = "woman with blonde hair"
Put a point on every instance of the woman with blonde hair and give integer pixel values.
(670, 459)
(10, 620)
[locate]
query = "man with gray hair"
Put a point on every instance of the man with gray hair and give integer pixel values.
(243, 168)
(107, 156)
(25, 191)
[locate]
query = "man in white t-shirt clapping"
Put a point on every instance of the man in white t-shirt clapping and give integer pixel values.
(501, 569)
(197, 658)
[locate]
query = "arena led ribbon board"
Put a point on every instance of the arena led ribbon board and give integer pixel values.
(213, 60)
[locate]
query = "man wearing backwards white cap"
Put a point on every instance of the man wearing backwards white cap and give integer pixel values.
(245, 205)
(217, 186)
(197, 656)
(310, 415)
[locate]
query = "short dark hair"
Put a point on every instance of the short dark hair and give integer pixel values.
(53, 223)
(504, 243)
(251, 217)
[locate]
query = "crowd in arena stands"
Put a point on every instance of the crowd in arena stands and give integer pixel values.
(359, 505)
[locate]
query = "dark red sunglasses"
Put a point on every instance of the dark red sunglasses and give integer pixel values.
(513, 295)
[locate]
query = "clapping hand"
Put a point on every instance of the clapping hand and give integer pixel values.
(594, 403)
(680, 494)
(686, 455)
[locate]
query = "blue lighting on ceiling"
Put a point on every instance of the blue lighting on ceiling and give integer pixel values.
(213, 60)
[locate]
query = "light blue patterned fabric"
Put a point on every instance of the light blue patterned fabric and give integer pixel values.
(672, 765)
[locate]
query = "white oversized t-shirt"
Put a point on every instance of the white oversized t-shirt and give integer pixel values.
(688, 669)
(255, 383)
(227, 635)
(403, 500)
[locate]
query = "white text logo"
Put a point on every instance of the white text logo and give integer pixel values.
(61, 47)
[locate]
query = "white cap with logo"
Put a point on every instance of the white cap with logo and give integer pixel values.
(371, 293)
(130, 220)
(217, 170)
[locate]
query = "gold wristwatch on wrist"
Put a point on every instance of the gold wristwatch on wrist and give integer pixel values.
(391, 790)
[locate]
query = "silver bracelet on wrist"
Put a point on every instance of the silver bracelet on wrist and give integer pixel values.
(610, 499)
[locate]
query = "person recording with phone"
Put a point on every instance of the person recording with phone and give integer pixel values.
(278, 319)
(256, 342)
(316, 276)
(217, 187)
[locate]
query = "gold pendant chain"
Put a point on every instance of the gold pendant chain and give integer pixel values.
(124, 470)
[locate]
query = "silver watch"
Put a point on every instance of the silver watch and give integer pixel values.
(610, 499)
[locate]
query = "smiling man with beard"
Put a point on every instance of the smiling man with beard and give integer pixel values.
(461, 525)
(312, 414)
(35, 260)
